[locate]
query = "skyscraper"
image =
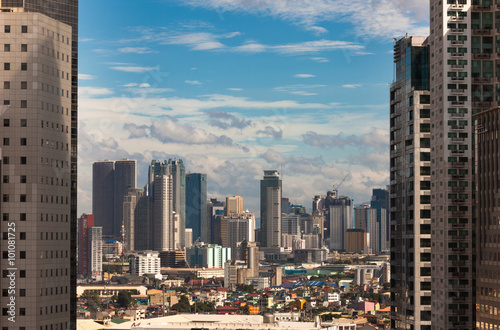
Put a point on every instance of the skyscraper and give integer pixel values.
(111, 181)
(270, 209)
(462, 65)
(131, 215)
(341, 210)
(487, 223)
(38, 165)
(196, 204)
(89, 248)
(234, 205)
(410, 192)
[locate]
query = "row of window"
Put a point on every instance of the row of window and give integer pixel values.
(53, 237)
(51, 162)
(55, 54)
(23, 122)
(23, 66)
(8, 29)
(57, 182)
(22, 160)
(51, 199)
(23, 103)
(7, 47)
(53, 107)
(22, 141)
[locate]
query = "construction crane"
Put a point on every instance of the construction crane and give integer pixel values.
(342, 181)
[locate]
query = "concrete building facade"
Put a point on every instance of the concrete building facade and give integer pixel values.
(270, 209)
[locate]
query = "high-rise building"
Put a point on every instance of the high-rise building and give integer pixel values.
(175, 169)
(214, 208)
(462, 69)
(111, 181)
(234, 205)
(380, 202)
(240, 227)
(131, 214)
(340, 210)
(163, 227)
(373, 222)
(38, 165)
(103, 183)
(207, 255)
(410, 192)
(89, 248)
(196, 204)
(270, 209)
(125, 178)
(487, 221)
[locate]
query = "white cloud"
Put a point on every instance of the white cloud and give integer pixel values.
(83, 76)
(380, 18)
(299, 89)
(134, 69)
(320, 59)
(235, 89)
(136, 50)
(193, 82)
(304, 75)
(94, 91)
(351, 85)
(377, 138)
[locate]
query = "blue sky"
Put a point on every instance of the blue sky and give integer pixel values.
(234, 87)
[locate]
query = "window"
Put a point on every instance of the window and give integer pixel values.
(24, 122)
(22, 292)
(24, 66)
(6, 122)
(7, 29)
(23, 178)
(22, 254)
(24, 104)
(22, 198)
(5, 198)
(6, 160)
(24, 29)
(24, 48)
(6, 85)
(5, 179)
(6, 142)
(22, 217)
(23, 141)
(6, 66)
(24, 85)
(23, 160)
(6, 102)
(6, 47)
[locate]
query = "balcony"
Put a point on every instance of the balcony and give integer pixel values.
(458, 91)
(481, 31)
(481, 7)
(457, 30)
(458, 201)
(458, 139)
(481, 104)
(457, 189)
(458, 177)
(458, 225)
(481, 80)
(457, 115)
(457, 127)
(457, 78)
(458, 54)
(479, 56)
(457, 18)
(456, 152)
(457, 214)
(457, 102)
(456, 6)
(458, 250)
(458, 263)
(457, 66)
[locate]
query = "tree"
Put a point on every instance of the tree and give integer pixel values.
(182, 306)
(92, 300)
(124, 298)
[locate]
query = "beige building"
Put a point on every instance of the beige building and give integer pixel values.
(461, 85)
(234, 205)
(35, 137)
(355, 240)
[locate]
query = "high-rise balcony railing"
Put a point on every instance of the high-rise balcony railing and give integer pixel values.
(457, 42)
(457, 188)
(481, 31)
(457, 115)
(458, 139)
(458, 91)
(458, 201)
(457, 102)
(481, 104)
(481, 7)
(482, 80)
(457, 30)
(457, 18)
(457, 54)
(457, 78)
(457, 66)
(479, 56)
(458, 151)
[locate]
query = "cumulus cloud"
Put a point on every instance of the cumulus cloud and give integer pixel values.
(377, 138)
(171, 130)
(299, 89)
(226, 120)
(320, 59)
(272, 132)
(82, 76)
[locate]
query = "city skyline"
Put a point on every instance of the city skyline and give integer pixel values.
(213, 87)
